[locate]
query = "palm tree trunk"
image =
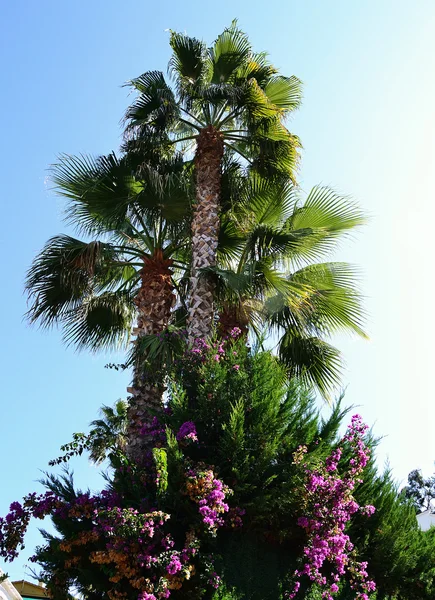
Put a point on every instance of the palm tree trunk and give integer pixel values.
(205, 231)
(154, 302)
(231, 318)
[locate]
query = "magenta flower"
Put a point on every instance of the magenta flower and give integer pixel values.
(330, 506)
(187, 432)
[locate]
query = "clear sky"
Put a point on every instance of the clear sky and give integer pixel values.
(368, 129)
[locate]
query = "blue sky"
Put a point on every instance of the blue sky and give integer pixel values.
(368, 129)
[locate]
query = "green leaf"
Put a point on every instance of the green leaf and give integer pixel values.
(155, 105)
(326, 210)
(102, 322)
(188, 58)
(229, 53)
(284, 92)
(98, 190)
(332, 298)
(312, 360)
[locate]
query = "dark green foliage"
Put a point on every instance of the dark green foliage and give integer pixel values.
(401, 557)
(249, 421)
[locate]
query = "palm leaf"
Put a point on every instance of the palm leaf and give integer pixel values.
(312, 360)
(187, 63)
(62, 274)
(155, 105)
(334, 300)
(321, 299)
(326, 210)
(98, 191)
(102, 322)
(267, 201)
(229, 53)
(275, 151)
(284, 92)
(259, 68)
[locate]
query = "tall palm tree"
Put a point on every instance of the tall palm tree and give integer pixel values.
(126, 275)
(225, 98)
(275, 276)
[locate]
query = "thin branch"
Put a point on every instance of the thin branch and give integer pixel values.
(192, 116)
(238, 152)
(232, 115)
(236, 138)
(235, 131)
(207, 114)
(185, 139)
(128, 263)
(144, 235)
(220, 114)
(179, 265)
(135, 276)
(125, 250)
(186, 122)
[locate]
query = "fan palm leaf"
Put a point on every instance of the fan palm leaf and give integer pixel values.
(137, 215)
(226, 99)
(276, 274)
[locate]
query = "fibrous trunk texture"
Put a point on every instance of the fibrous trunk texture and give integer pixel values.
(233, 322)
(154, 302)
(205, 231)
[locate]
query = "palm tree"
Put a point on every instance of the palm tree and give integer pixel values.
(127, 275)
(275, 276)
(226, 98)
(110, 433)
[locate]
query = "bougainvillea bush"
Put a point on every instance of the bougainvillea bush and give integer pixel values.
(247, 493)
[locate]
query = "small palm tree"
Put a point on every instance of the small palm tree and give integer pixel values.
(225, 98)
(126, 277)
(273, 278)
(110, 432)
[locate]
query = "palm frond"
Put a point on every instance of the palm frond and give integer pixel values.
(284, 92)
(230, 241)
(62, 274)
(268, 241)
(101, 322)
(109, 432)
(321, 299)
(161, 350)
(327, 213)
(259, 68)
(334, 300)
(313, 361)
(155, 105)
(275, 151)
(268, 201)
(98, 190)
(229, 53)
(187, 64)
(164, 195)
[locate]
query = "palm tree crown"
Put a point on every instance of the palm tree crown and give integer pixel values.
(273, 274)
(224, 97)
(138, 227)
(130, 271)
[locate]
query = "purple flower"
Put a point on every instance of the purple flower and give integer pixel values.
(187, 431)
(174, 565)
(329, 507)
(146, 596)
(235, 332)
(368, 510)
